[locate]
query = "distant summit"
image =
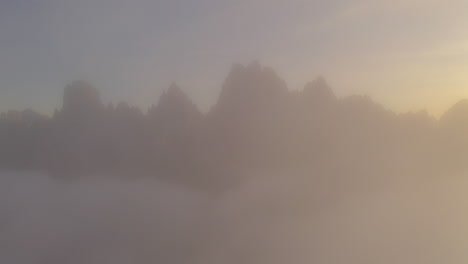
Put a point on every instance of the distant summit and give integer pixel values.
(454, 122)
(248, 88)
(257, 124)
(174, 106)
(175, 101)
(318, 91)
(457, 115)
(81, 100)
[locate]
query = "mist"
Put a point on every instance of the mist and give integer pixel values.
(267, 175)
(247, 131)
(98, 221)
(263, 221)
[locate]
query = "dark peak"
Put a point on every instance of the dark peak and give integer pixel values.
(174, 95)
(318, 83)
(174, 100)
(460, 106)
(80, 98)
(319, 90)
(251, 84)
(253, 72)
(175, 92)
(82, 89)
(456, 115)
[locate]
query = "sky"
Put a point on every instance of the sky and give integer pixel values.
(408, 55)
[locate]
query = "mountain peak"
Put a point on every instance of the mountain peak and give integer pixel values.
(319, 90)
(174, 101)
(81, 99)
(456, 116)
(174, 95)
(250, 85)
(174, 92)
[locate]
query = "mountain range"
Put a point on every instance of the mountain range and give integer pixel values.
(256, 126)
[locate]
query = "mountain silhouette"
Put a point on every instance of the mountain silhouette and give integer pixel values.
(456, 118)
(257, 124)
(318, 92)
(249, 89)
(81, 101)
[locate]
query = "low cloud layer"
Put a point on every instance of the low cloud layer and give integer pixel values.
(46, 221)
(273, 220)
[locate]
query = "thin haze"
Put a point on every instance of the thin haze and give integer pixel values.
(408, 55)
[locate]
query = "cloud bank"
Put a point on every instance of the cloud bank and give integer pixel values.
(263, 221)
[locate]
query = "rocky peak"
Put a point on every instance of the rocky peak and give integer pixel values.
(175, 104)
(456, 118)
(250, 86)
(319, 91)
(81, 100)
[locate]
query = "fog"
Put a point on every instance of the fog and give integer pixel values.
(338, 135)
(44, 220)
(47, 221)
(267, 175)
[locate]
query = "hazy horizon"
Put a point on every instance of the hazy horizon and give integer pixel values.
(206, 108)
(408, 55)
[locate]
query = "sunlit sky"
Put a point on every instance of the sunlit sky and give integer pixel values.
(408, 55)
